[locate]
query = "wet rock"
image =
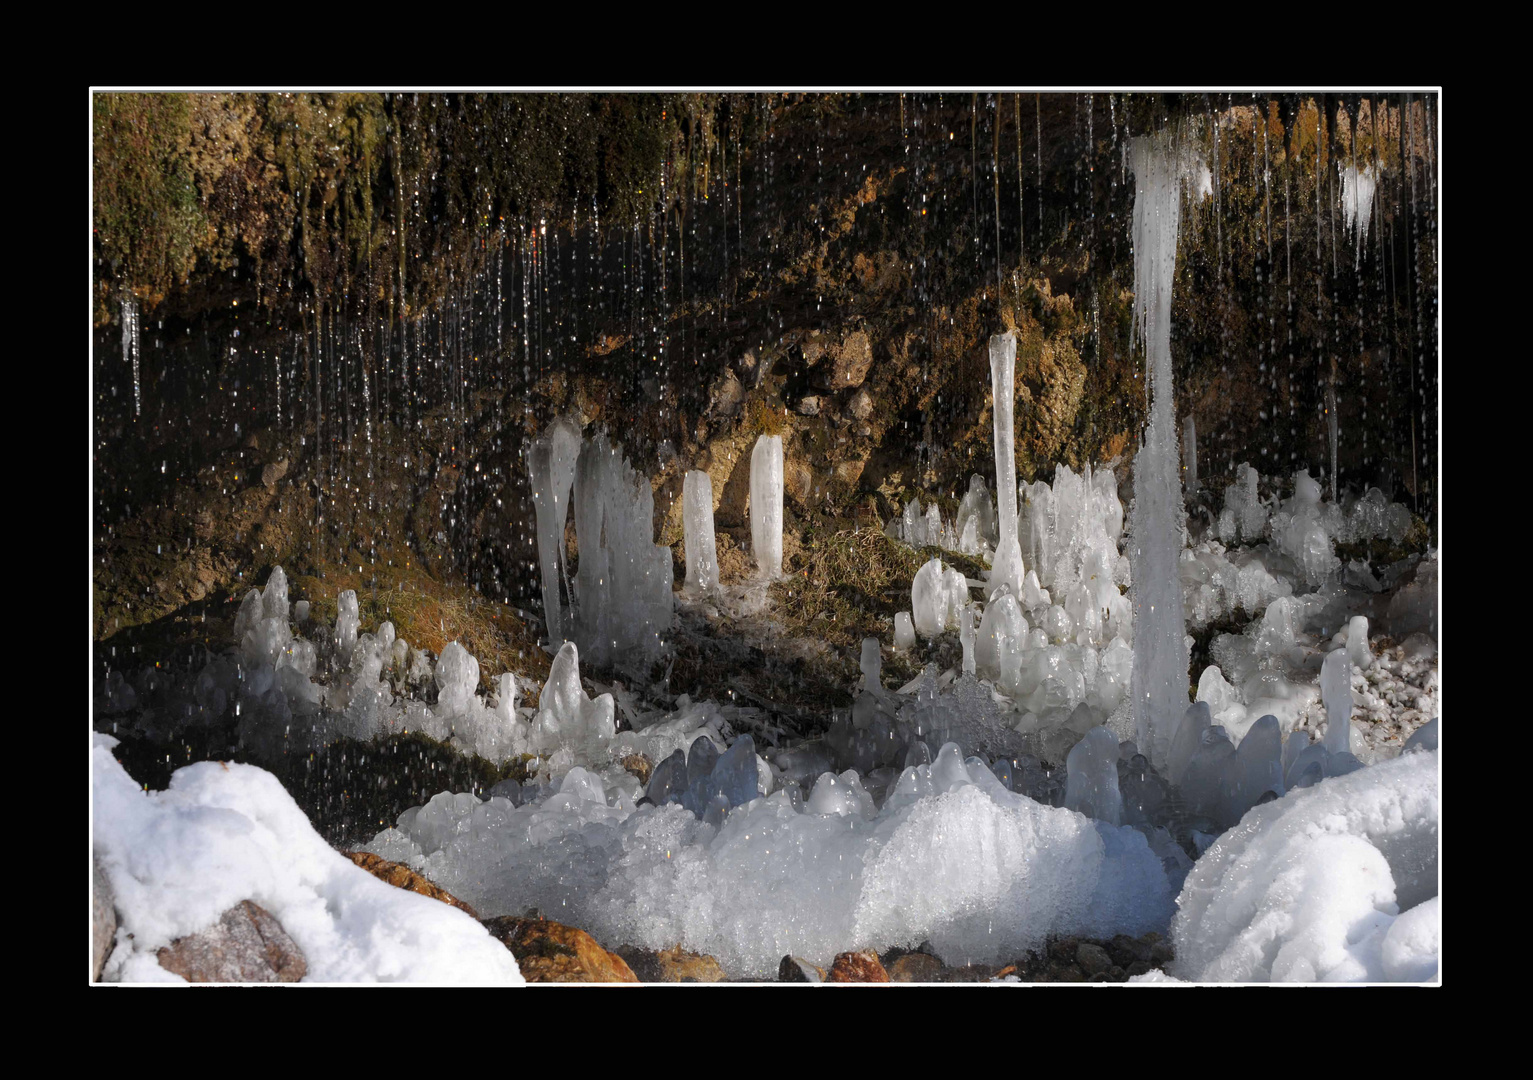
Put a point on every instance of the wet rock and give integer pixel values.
(808, 406)
(792, 969)
(861, 405)
(1138, 967)
(247, 944)
(1125, 950)
(1092, 959)
(725, 395)
(1161, 954)
(402, 877)
(674, 965)
(273, 472)
(640, 766)
(850, 362)
(103, 920)
(859, 967)
(915, 967)
(552, 952)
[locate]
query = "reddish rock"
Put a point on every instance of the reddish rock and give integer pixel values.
(858, 967)
(552, 952)
(402, 877)
(247, 944)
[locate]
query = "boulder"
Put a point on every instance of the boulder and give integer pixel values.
(858, 967)
(103, 920)
(402, 877)
(792, 969)
(247, 944)
(551, 952)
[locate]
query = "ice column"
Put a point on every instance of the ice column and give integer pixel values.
(551, 469)
(1160, 648)
(697, 523)
(766, 504)
(1336, 693)
(872, 665)
(1007, 568)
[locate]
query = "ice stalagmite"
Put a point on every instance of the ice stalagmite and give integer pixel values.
(1007, 568)
(766, 504)
(551, 469)
(1336, 693)
(697, 523)
(1160, 678)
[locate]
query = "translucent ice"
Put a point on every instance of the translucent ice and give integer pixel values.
(551, 470)
(1091, 781)
(697, 523)
(872, 665)
(766, 504)
(1336, 693)
(1007, 567)
(904, 631)
(1160, 648)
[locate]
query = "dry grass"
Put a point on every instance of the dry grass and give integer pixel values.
(429, 613)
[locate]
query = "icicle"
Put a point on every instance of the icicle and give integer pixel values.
(1160, 649)
(1007, 568)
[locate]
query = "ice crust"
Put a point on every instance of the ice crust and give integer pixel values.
(225, 832)
(952, 857)
(1312, 887)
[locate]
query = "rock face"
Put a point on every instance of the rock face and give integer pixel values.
(103, 920)
(858, 967)
(851, 362)
(247, 944)
(551, 952)
(402, 877)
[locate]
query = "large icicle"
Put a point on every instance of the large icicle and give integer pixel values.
(1007, 568)
(766, 504)
(551, 468)
(1160, 650)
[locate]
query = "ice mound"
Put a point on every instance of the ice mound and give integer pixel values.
(937, 598)
(953, 857)
(1321, 885)
(223, 833)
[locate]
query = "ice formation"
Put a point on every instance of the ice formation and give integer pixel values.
(1160, 648)
(551, 469)
(623, 580)
(952, 856)
(1337, 882)
(697, 524)
(1006, 570)
(226, 832)
(1190, 453)
(937, 598)
(766, 504)
(1357, 188)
